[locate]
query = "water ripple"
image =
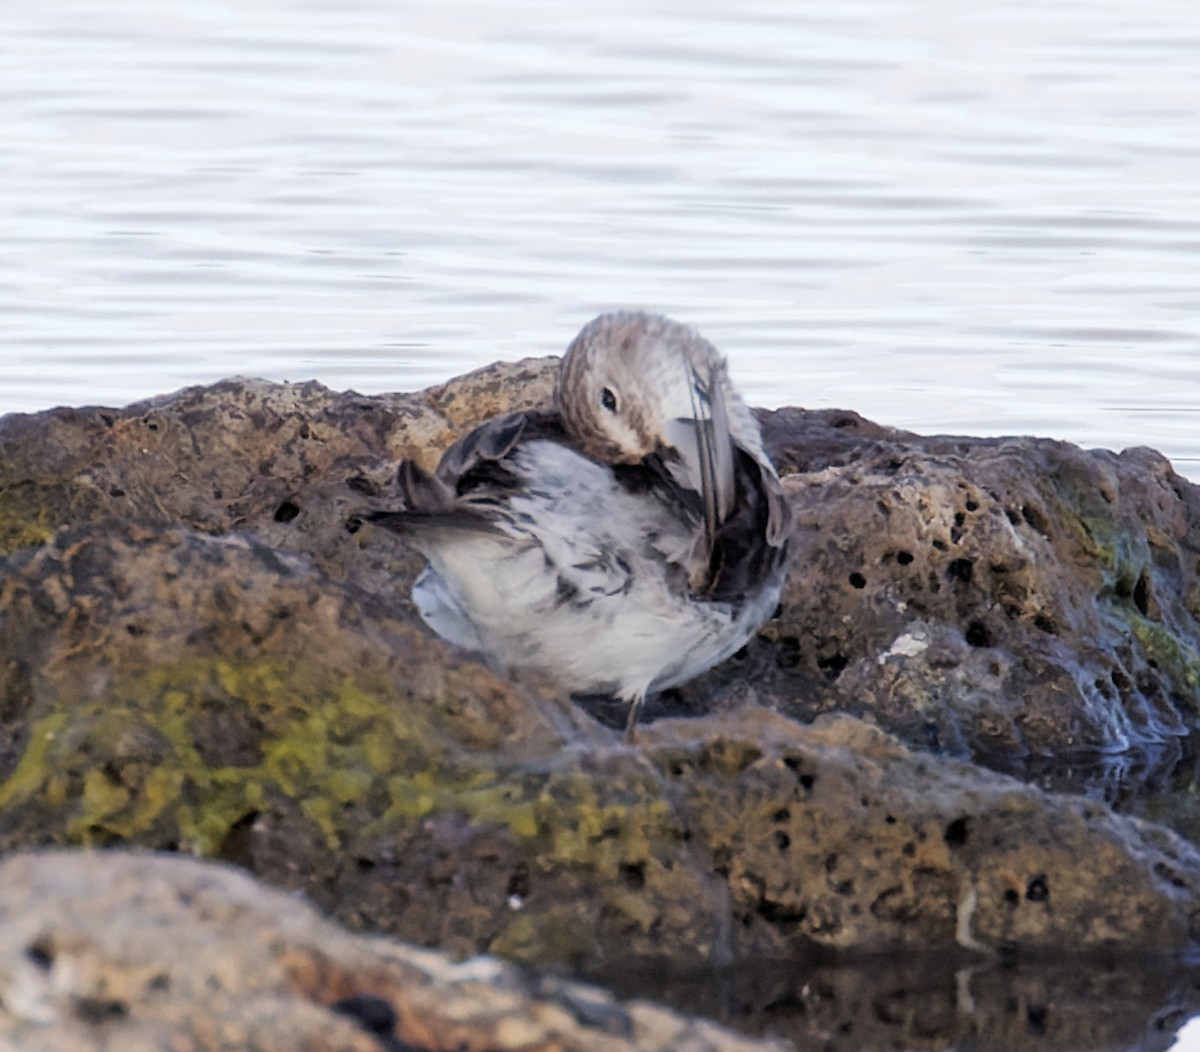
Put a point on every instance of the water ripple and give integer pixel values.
(983, 219)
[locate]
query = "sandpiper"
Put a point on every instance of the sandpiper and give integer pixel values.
(622, 544)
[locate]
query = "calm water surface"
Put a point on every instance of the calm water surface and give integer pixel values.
(974, 218)
(967, 218)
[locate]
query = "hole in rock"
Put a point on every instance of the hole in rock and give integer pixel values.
(792, 763)
(933, 736)
(787, 652)
(238, 845)
(1038, 890)
(634, 874)
(372, 1014)
(1035, 1018)
(518, 883)
(960, 570)
(1141, 594)
(1171, 874)
(1043, 624)
(286, 512)
(40, 953)
(977, 634)
(1036, 518)
(956, 832)
(778, 913)
(832, 666)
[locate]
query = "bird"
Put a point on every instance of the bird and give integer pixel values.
(621, 543)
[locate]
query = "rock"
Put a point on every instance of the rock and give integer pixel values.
(240, 455)
(201, 651)
(994, 598)
(134, 951)
(218, 696)
(990, 597)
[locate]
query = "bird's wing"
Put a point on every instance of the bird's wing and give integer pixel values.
(752, 543)
(518, 481)
(467, 491)
(714, 445)
(698, 455)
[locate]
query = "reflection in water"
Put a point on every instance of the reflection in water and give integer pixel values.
(959, 218)
(1160, 783)
(921, 1002)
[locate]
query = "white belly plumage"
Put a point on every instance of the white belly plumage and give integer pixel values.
(582, 580)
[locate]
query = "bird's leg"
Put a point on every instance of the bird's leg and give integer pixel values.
(635, 710)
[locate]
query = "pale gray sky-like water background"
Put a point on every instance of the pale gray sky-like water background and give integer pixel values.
(975, 218)
(968, 218)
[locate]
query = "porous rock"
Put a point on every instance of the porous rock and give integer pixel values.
(989, 597)
(993, 598)
(214, 695)
(201, 650)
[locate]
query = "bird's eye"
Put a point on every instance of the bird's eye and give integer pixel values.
(608, 400)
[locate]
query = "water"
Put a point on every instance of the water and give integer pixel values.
(956, 218)
(978, 219)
